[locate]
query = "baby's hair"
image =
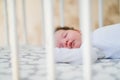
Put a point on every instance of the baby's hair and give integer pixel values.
(64, 28)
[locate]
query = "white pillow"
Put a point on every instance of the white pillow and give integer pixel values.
(74, 56)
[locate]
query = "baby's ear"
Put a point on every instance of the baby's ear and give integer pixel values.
(78, 31)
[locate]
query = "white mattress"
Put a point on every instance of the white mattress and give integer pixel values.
(32, 66)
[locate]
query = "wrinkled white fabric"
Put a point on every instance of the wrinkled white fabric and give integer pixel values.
(108, 40)
(74, 56)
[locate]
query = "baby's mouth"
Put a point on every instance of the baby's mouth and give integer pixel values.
(72, 44)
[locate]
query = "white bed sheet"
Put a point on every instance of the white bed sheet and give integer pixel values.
(33, 66)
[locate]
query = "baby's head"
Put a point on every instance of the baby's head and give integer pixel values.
(67, 37)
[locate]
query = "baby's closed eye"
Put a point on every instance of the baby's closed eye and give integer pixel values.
(65, 35)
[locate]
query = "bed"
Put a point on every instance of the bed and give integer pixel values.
(33, 67)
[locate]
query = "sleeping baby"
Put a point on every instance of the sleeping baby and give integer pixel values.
(105, 44)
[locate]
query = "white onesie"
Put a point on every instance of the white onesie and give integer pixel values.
(108, 40)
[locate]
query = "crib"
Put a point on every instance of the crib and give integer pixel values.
(37, 63)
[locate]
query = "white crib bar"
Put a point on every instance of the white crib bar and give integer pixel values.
(100, 13)
(42, 23)
(84, 6)
(62, 13)
(13, 39)
(24, 21)
(6, 22)
(48, 20)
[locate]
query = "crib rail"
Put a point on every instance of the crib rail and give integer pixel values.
(49, 40)
(42, 23)
(5, 13)
(24, 22)
(62, 22)
(85, 23)
(100, 13)
(13, 39)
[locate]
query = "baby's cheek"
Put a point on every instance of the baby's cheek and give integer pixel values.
(56, 44)
(78, 45)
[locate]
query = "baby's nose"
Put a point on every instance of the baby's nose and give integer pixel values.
(64, 43)
(69, 44)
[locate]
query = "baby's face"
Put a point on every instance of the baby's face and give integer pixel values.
(68, 39)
